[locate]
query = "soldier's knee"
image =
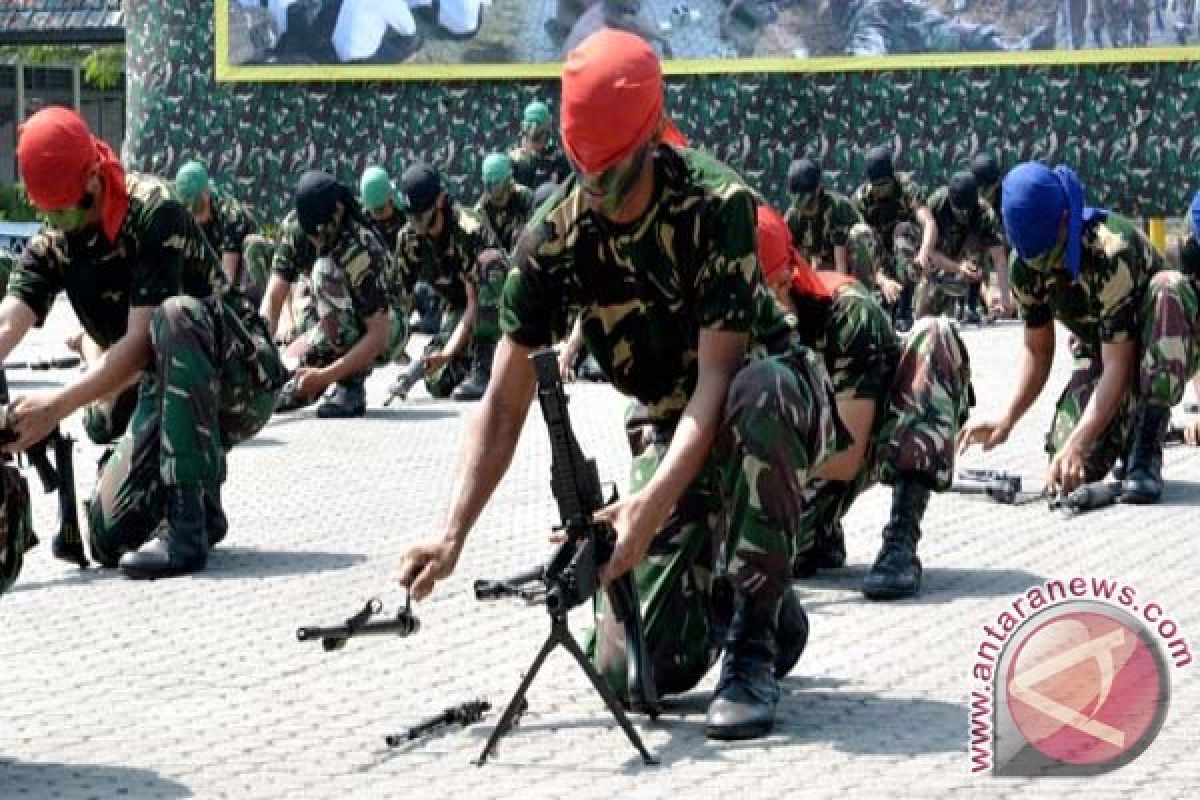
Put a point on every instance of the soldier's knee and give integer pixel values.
(176, 314)
(771, 391)
(1167, 280)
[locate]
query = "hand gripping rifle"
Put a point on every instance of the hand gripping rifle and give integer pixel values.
(58, 476)
(571, 577)
(335, 638)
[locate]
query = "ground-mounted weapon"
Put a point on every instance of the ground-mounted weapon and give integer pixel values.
(361, 624)
(462, 715)
(570, 577)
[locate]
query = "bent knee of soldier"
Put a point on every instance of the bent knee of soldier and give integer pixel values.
(176, 315)
(1167, 281)
(772, 391)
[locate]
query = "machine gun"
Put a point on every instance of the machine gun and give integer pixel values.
(335, 638)
(58, 476)
(1003, 487)
(42, 364)
(571, 576)
(462, 715)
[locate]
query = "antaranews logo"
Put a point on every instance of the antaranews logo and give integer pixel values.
(1072, 678)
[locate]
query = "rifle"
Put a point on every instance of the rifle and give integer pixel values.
(67, 544)
(335, 637)
(571, 576)
(406, 380)
(1003, 487)
(462, 715)
(43, 364)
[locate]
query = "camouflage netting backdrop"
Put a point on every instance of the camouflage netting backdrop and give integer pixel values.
(1128, 129)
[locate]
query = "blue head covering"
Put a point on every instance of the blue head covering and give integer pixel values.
(1034, 199)
(1196, 216)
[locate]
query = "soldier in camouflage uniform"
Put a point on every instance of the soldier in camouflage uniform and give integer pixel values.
(356, 325)
(147, 289)
(229, 228)
(535, 158)
(505, 203)
(967, 231)
(819, 219)
(289, 285)
(1127, 22)
(454, 250)
(1133, 325)
(653, 244)
(901, 401)
(893, 205)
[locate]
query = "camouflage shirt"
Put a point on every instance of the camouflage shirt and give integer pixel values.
(295, 254)
(509, 220)
(159, 253)
(449, 262)
(645, 290)
(992, 196)
(228, 225)
(1103, 305)
(816, 232)
(884, 209)
(360, 258)
(855, 337)
(389, 229)
(958, 238)
(533, 170)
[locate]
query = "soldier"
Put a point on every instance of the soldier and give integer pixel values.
(454, 250)
(966, 228)
(653, 244)
(819, 219)
(1127, 22)
(230, 229)
(893, 205)
(355, 324)
(902, 402)
(289, 284)
(150, 292)
(1132, 324)
(505, 204)
(384, 204)
(535, 158)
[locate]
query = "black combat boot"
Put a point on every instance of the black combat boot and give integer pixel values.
(896, 572)
(743, 705)
(348, 399)
(180, 542)
(214, 517)
(1143, 483)
(793, 633)
(828, 552)
(475, 384)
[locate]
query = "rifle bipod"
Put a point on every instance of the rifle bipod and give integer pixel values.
(560, 634)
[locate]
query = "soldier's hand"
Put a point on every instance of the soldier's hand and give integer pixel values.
(31, 418)
(566, 370)
(436, 361)
(310, 382)
(427, 563)
(1066, 472)
(74, 342)
(635, 521)
(989, 433)
(1191, 432)
(969, 271)
(890, 289)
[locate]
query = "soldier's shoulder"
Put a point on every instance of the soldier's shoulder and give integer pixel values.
(153, 205)
(1117, 236)
(705, 172)
(554, 227)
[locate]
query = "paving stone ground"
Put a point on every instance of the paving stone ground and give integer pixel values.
(197, 687)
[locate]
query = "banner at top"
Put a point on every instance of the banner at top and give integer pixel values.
(321, 40)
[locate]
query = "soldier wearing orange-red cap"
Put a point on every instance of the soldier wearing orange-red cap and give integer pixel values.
(651, 245)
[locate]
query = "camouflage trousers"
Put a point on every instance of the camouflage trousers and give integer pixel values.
(489, 287)
(257, 252)
(212, 383)
(337, 325)
(916, 426)
(1168, 356)
(938, 294)
(735, 526)
(440, 382)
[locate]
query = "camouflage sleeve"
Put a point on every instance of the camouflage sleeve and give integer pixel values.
(529, 314)
(406, 261)
(37, 277)
(844, 217)
(481, 240)
(859, 201)
(1113, 291)
(861, 345)
(157, 265)
(791, 218)
(1029, 294)
(989, 228)
(914, 196)
(364, 266)
(727, 276)
(241, 225)
(286, 262)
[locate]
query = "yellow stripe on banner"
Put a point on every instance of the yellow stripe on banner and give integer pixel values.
(1158, 233)
(226, 72)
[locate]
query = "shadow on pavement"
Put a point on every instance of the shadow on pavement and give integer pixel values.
(70, 781)
(241, 562)
(938, 585)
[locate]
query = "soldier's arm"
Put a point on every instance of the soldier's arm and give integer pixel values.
(462, 332)
(1033, 370)
(276, 294)
(115, 368)
(1118, 360)
(16, 319)
(929, 234)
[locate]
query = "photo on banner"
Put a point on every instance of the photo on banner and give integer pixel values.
(305, 40)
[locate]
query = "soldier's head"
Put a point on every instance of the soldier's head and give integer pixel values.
(613, 120)
(321, 204)
(72, 177)
(785, 271)
(194, 190)
(535, 126)
(804, 182)
(964, 196)
(880, 170)
(497, 178)
(377, 193)
(986, 170)
(427, 200)
(1043, 216)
